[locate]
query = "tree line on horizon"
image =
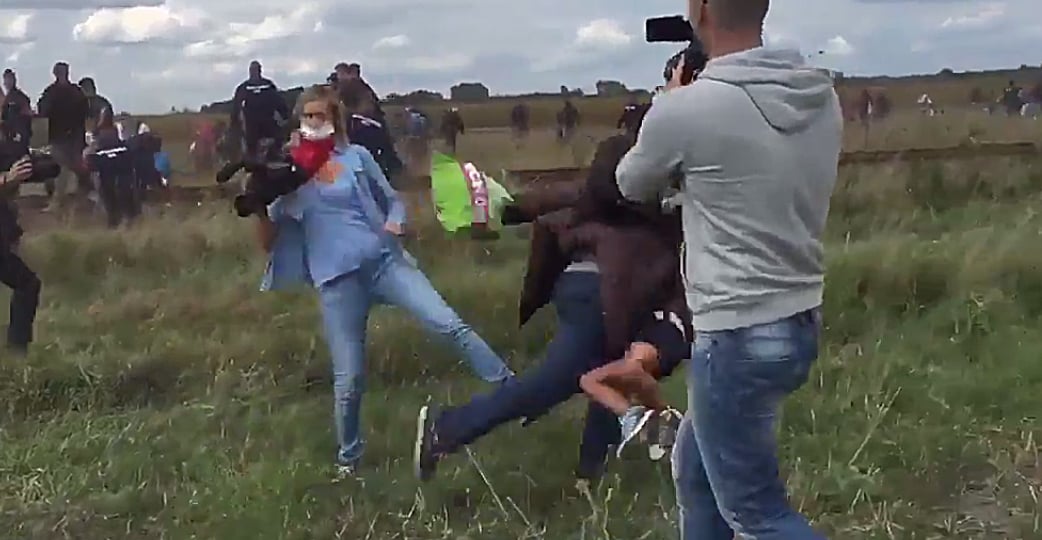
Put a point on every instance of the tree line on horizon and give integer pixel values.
(477, 92)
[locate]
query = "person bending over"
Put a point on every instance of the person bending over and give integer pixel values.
(339, 232)
(604, 265)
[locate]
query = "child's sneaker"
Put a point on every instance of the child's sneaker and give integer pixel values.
(664, 434)
(633, 424)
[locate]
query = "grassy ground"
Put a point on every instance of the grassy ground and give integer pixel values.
(169, 399)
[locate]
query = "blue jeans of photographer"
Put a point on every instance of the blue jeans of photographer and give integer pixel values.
(346, 303)
(725, 462)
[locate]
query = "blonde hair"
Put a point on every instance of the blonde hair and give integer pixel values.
(334, 108)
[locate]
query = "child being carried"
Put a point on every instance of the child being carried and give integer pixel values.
(629, 386)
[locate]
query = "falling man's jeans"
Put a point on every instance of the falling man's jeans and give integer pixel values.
(346, 302)
(725, 461)
(577, 347)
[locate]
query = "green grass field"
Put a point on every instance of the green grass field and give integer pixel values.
(167, 398)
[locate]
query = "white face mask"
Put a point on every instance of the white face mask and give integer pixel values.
(324, 131)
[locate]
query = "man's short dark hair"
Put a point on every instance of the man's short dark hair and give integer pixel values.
(739, 14)
(87, 81)
(342, 66)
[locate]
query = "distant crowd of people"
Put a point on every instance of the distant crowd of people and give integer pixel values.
(100, 159)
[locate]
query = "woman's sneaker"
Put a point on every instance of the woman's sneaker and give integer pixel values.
(664, 433)
(634, 423)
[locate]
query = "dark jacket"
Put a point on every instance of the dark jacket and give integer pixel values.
(10, 230)
(358, 97)
(375, 137)
(96, 105)
(452, 124)
(636, 247)
(257, 102)
(16, 115)
(65, 107)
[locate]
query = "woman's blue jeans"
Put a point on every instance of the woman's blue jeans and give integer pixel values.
(346, 302)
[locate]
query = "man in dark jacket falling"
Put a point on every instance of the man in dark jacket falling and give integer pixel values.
(259, 108)
(606, 265)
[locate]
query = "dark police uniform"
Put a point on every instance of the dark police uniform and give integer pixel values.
(25, 285)
(258, 101)
(373, 135)
(113, 160)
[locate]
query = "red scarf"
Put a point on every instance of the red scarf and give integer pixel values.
(311, 155)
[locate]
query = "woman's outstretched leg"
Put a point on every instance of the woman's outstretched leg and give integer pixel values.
(402, 284)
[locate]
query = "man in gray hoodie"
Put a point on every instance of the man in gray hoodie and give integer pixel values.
(757, 137)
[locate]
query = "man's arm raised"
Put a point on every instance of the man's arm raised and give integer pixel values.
(644, 172)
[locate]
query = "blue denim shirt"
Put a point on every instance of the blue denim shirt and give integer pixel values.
(324, 231)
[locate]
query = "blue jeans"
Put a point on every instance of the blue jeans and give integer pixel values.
(725, 461)
(575, 349)
(346, 302)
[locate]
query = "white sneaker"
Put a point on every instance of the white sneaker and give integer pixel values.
(633, 424)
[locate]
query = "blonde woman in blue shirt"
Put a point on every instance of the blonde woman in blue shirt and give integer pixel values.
(339, 232)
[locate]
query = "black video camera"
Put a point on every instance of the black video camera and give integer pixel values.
(268, 181)
(677, 29)
(44, 165)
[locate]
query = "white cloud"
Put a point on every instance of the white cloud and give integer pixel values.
(210, 48)
(18, 51)
(303, 18)
(778, 38)
(136, 25)
(602, 33)
(983, 17)
(398, 41)
(15, 29)
(838, 46)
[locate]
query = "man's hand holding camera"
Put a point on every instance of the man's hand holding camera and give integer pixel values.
(22, 170)
(677, 79)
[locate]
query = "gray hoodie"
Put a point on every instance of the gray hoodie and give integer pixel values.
(758, 138)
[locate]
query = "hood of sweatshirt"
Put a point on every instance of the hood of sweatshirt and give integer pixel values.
(789, 93)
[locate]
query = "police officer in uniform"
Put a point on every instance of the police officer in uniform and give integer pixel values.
(259, 108)
(374, 136)
(113, 160)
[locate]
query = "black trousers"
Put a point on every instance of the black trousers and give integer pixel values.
(120, 195)
(25, 298)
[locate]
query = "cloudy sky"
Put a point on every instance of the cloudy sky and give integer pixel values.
(149, 55)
